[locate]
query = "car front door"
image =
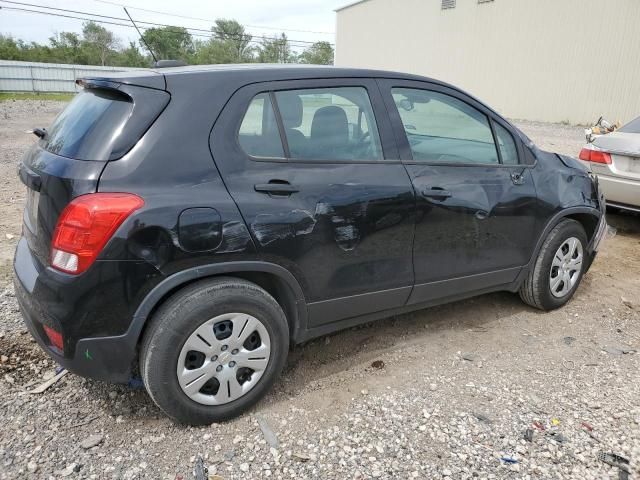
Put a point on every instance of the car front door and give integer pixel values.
(317, 177)
(476, 201)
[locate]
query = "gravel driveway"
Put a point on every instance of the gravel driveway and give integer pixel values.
(485, 388)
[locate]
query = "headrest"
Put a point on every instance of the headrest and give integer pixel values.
(331, 124)
(290, 106)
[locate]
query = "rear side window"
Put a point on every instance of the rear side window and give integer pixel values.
(88, 128)
(335, 123)
(259, 135)
(442, 129)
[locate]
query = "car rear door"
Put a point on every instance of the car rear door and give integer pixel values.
(313, 167)
(476, 203)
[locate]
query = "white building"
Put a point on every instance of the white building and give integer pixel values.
(548, 60)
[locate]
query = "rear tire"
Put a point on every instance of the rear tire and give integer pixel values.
(556, 273)
(227, 302)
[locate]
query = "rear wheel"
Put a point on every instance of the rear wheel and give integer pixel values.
(558, 270)
(213, 350)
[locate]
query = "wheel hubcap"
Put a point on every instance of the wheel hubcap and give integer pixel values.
(223, 358)
(566, 267)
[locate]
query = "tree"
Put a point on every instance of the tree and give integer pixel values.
(66, 47)
(275, 50)
(131, 57)
(233, 36)
(320, 53)
(169, 43)
(99, 41)
(229, 43)
(9, 49)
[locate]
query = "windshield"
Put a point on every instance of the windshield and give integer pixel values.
(90, 125)
(632, 127)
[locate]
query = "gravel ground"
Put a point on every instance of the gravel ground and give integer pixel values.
(485, 388)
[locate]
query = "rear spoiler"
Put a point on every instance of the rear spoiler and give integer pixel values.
(140, 78)
(96, 83)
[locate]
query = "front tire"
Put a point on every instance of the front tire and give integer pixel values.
(213, 350)
(558, 269)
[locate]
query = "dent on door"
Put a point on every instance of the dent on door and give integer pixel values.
(342, 238)
(478, 235)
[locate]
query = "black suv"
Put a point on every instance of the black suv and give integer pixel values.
(191, 223)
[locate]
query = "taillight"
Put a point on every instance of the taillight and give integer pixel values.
(86, 225)
(596, 156)
(55, 337)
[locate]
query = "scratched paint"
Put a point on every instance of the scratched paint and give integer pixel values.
(323, 208)
(235, 237)
(347, 237)
(345, 232)
(389, 220)
(268, 228)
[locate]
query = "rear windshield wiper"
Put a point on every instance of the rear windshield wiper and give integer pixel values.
(39, 132)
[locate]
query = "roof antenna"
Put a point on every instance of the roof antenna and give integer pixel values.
(141, 37)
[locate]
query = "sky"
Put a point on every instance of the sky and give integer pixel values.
(307, 20)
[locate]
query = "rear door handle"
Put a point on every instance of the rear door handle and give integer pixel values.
(276, 188)
(436, 193)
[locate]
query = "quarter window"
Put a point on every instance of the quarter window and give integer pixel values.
(258, 135)
(443, 129)
(329, 124)
(507, 145)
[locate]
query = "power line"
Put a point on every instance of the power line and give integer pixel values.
(209, 20)
(292, 42)
(65, 16)
(106, 22)
(122, 19)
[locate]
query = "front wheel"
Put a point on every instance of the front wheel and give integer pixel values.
(558, 270)
(213, 350)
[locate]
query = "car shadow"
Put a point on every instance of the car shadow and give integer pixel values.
(331, 354)
(325, 356)
(623, 221)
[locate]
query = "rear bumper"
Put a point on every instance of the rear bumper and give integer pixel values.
(620, 192)
(41, 295)
(601, 231)
(598, 238)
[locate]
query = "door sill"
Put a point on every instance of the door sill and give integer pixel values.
(428, 292)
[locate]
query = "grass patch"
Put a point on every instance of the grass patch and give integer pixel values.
(13, 96)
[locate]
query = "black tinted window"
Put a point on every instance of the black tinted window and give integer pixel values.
(443, 129)
(258, 135)
(329, 124)
(89, 127)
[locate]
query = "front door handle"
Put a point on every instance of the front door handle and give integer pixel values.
(436, 193)
(274, 188)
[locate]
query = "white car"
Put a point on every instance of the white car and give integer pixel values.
(615, 159)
